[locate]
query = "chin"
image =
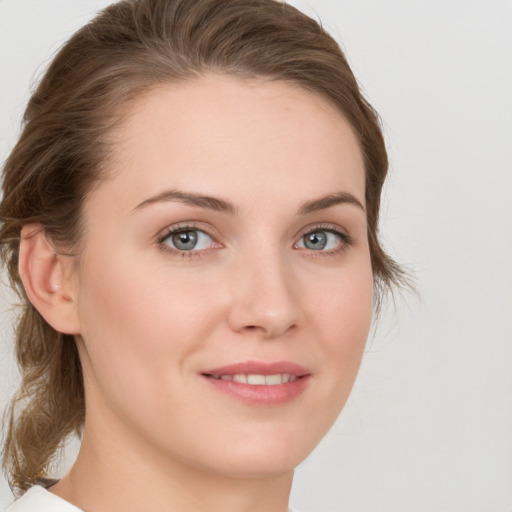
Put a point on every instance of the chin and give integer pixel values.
(257, 465)
(262, 454)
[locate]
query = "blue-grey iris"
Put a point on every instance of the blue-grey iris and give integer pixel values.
(185, 240)
(316, 241)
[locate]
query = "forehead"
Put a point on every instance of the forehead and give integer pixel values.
(221, 134)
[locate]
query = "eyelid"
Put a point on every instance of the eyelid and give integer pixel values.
(187, 226)
(346, 239)
(191, 225)
(323, 226)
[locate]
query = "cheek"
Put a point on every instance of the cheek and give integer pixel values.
(130, 298)
(343, 316)
(138, 324)
(343, 303)
(350, 310)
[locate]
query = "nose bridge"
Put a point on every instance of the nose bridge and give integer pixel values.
(263, 297)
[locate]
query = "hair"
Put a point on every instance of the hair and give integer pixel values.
(130, 48)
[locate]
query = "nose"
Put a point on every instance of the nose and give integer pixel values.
(263, 299)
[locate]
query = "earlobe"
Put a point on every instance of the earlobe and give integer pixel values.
(46, 278)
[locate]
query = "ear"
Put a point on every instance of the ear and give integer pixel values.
(48, 280)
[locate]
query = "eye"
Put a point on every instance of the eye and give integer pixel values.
(188, 240)
(322, 240)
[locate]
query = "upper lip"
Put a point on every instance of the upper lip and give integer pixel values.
(259, 368)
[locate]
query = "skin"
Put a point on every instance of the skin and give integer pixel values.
(149, 320)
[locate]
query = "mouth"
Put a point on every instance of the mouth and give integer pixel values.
(258, 383)
(255, 379)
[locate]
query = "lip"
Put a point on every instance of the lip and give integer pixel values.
(263, 395)
(260, 367)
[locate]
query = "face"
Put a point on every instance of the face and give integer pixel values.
(224, 292)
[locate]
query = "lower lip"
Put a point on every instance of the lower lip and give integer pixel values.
(265, 396)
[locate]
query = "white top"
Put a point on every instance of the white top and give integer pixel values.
(38, 499)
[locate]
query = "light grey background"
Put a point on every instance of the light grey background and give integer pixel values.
(428, 427)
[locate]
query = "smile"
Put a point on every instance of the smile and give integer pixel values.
(257, 379)
(258, 383)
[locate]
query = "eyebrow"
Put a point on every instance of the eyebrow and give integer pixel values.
(209, 202)
(221, 205)
(331, 200)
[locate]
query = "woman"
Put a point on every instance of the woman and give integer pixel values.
(190, 216)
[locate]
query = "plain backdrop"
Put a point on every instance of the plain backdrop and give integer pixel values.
(428, 427)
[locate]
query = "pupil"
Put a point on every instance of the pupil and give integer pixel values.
(316, 241)
(186, 240)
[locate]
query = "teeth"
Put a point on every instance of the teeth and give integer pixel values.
(258, 380)
(272, 380)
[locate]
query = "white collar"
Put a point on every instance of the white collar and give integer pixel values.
(39, 499)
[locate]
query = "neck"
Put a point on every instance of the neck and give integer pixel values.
(109, 476)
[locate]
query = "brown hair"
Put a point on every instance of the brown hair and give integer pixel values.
(129, 48)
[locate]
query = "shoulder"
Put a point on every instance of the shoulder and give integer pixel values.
(38, 499)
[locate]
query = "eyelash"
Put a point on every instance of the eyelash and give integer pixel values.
(346, 241)
(174, 230)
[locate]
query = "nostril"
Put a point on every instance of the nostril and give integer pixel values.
(253, 328)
